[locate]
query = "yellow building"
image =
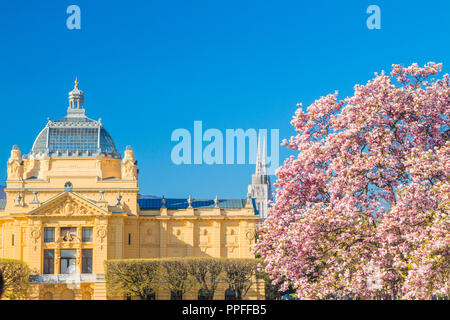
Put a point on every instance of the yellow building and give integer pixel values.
(73, 203)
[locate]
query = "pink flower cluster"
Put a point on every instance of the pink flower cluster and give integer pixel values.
(363, 209)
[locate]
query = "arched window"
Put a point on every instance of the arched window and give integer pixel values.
(230, 294)
(151, 296)
(176, 295)
(47, 296)
(202, 295)
(67, 295)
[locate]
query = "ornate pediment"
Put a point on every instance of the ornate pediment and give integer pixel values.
(68, 204)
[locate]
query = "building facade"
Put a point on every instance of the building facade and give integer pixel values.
(73, 202)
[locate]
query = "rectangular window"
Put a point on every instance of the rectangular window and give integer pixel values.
(129, 238)
(49, 234)
(49, 261)
(86, 257)
(12, 240)
(68, 261)
(68, 233)
(87, 234)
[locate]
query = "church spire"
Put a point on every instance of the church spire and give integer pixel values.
(261, 159)
(260, 189)
(264, 158)
(258, 157)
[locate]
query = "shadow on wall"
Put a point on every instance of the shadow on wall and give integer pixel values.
(182, 243)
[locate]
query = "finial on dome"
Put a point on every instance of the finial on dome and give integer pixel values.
(76, 102)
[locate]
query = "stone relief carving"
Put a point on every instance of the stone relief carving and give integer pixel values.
(150, 236)
(15, 164)
(31, 168)
(15, 170)
(129, 171)
(177, 235)
(67, 207)
(231, 235)
(204, 236)
(129, 167)
(35, 235)
(87, 293)
(101, 234)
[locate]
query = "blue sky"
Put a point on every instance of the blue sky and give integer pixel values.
(150, 67)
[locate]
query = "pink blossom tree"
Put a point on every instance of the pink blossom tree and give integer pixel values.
(362, 210)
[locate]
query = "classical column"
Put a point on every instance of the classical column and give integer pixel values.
(190, 238)
(57, 259)
(217, 238)
(163, 225)
(78, 261)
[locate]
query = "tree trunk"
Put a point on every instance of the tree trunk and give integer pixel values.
(238, 294)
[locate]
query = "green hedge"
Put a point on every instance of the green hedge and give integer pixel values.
(142, 277)
(15, 277)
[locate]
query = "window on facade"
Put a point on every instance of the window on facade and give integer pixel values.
(68, 233)
(49, 261)
(49, 234)
(87, 234)
(202, 295)
(176, 295)
(12, 240)
(86, 261)
(129, 238)
(68, 261)
(230, 294)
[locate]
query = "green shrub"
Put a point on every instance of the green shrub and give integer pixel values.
(239, 274)
(175, 276)
(15, 277)
(142, 277)
(132, 277)
(206, 272)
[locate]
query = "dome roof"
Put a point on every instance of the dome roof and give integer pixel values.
(75, 134)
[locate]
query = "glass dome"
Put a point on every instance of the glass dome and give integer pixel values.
(68, 135)
(75, 134)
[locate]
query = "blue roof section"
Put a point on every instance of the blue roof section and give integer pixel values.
(2, 204)
(177, 204)
(148, 197)
(255, 207)
(2, 192)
